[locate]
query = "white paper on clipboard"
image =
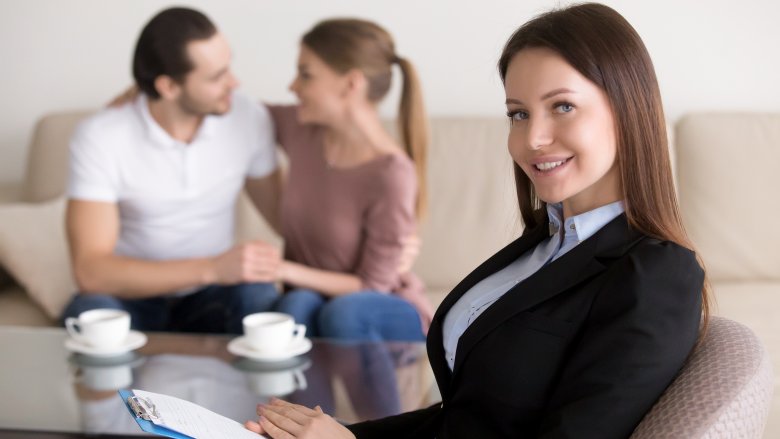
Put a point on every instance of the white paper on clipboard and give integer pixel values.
(193, 420)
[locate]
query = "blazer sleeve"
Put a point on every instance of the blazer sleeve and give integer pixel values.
(642, 325)
(412, 425)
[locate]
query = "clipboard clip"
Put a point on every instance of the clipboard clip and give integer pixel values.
(143, 408)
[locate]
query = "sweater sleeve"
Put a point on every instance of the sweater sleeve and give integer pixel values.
(389, 219)
(285, 120)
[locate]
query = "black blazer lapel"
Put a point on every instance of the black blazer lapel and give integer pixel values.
(504, 257)
(579, 264)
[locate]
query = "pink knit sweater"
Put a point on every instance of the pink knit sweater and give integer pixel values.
(348, 220)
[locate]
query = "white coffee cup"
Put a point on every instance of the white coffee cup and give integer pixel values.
(100, 328)
(272, 331)
(106, 377)
(276, 383)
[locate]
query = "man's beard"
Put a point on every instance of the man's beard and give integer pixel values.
(195, 108)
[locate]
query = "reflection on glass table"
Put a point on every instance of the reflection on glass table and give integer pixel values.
(77, 393)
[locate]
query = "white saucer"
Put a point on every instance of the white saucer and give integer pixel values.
(133, 341)
(249, 365)
(238, 346)
(131, 359)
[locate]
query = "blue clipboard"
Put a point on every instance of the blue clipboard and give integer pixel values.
(143, 412)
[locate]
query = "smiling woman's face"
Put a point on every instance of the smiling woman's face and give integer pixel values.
(321, 90)
(562, 132)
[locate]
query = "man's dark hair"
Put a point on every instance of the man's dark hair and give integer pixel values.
(162, 46)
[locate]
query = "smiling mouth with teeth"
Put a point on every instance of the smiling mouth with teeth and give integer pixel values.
(549, 165)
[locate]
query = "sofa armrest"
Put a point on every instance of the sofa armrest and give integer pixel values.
(17, 309)
(10, 192)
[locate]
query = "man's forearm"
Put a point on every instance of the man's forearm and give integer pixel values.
(131, 278)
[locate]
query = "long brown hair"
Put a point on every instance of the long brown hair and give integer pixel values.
(603, 47)
(347, 43)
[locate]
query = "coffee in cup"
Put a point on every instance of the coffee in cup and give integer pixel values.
(272, 331)
(100, 328)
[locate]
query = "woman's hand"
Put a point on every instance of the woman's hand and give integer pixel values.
(128, 95)
(283, 420)
(252, 261)
(409, 254)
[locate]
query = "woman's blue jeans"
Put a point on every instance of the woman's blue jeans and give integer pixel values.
(361, 316)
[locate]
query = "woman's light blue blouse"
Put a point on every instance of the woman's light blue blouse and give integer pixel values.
(564, 236)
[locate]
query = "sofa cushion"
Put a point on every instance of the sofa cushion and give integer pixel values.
(47, 160)
(472, 210)
(17, 309)
(727, 176)
(34, 251)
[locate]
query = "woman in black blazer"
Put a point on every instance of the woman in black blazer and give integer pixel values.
(576, 328)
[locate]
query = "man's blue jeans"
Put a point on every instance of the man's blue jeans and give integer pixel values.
(361, 316)
(214, 309)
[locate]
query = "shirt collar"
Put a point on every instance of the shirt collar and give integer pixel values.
(584, 225)
(159, 136)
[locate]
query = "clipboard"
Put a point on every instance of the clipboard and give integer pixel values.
(173, 417)
(145, 413)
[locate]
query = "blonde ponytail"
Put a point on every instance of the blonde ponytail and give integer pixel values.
(413, 126)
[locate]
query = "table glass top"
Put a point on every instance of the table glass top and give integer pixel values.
(46, 388)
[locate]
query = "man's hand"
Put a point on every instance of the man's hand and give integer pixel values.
(254, 261)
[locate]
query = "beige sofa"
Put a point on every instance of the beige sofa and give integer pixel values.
(471, 213)
(724, 169)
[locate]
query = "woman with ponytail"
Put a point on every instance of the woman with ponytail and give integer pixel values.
(352, 194)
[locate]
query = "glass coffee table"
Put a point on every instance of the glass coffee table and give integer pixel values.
(47, 391)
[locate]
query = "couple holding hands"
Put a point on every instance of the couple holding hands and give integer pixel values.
(154, 181)
(573, 330)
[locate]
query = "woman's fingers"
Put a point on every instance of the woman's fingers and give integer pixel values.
(274, 431)
(411, 248)
(288, 411)
(285, 418)
(300, 408)
(254, 426)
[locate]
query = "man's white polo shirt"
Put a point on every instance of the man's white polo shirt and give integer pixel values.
(175, 200)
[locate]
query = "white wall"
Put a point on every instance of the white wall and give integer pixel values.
(65, 54)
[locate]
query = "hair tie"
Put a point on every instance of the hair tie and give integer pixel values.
(395, 59)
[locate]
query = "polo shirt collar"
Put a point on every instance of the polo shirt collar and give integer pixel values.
(159, 136)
